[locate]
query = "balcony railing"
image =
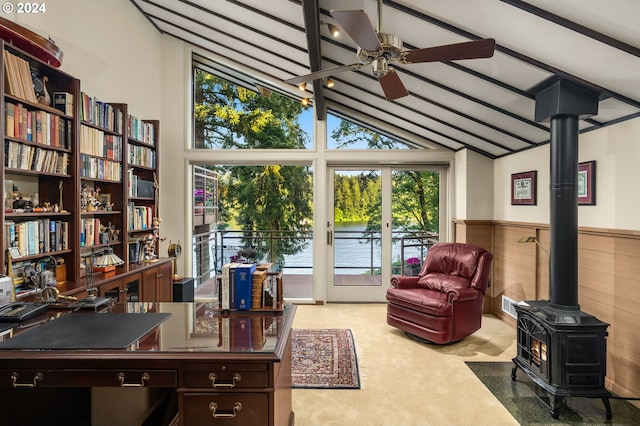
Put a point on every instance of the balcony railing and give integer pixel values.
(215, 248)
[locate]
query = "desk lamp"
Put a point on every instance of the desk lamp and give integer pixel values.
(108, 259)
(91, 301)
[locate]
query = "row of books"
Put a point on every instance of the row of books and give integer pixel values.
(136, 250)
(100, 168)
(100, 114)
(37, 236)
(237, 283)
(142, 156)
(132, 185)
(245, 286)
(18, 77)
(91, 234)
(139, 217)
(30, 157)
(95, 142)
(37, 126)
(141, 131)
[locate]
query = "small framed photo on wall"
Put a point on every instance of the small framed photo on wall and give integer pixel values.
(587, 183)
(523, 188)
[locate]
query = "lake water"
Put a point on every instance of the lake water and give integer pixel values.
(353, 252)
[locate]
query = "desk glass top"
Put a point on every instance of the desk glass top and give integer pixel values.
(198, 327)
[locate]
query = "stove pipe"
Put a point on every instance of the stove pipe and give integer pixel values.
(564, 103)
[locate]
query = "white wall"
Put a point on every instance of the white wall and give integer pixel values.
(474, 188)
(616, 150)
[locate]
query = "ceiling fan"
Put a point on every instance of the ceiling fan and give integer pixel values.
(378, 49)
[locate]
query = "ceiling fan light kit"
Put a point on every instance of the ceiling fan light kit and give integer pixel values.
(335, 31)
(377, 49)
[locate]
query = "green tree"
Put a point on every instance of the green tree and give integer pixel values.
(416, 194)
(256, 198)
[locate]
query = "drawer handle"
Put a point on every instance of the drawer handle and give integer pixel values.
(144, 378)
(236, 378)
(37, 377)
(214, 406)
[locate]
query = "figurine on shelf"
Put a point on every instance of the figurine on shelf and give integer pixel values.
(150, 241)
(89, 202)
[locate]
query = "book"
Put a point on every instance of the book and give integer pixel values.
(224, 289)
(64, 102)
(243, 285)
(257, 284)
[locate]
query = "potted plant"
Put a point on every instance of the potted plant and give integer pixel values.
(413, 266)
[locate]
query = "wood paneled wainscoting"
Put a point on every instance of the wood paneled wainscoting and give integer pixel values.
(608, 288)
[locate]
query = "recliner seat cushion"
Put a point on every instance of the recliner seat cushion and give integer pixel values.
(423, 300)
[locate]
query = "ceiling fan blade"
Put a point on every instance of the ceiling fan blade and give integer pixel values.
(357, 24)
(323, 73)
(392, 86)
(450, 52)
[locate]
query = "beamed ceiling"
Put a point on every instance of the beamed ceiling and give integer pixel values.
(485, 105)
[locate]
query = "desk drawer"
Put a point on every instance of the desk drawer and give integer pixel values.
(88, 378)
(226, 376)
(240, 408)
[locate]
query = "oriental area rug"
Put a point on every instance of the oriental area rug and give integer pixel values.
(324, 359)
(528, 404)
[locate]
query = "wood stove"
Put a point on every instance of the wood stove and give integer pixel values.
(564, 352)
(560, 347)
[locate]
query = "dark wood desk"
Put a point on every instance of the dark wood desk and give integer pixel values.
(208, 368)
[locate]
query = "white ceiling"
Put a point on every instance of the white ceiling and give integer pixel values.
(485, 105)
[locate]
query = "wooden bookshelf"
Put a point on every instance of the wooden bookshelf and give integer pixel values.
(38, 166)
(67, 167)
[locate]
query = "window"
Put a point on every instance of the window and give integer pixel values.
(230, 116)
(343, 133)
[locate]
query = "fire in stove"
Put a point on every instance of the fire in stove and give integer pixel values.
(538, 350)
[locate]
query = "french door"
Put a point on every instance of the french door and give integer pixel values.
(363, 248)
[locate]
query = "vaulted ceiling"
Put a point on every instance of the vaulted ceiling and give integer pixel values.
(485, 105)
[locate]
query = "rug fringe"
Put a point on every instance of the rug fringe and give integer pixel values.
(361, 360)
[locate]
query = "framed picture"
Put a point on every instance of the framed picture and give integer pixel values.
(15, 252)
(104, 198)
(523, 188)
(587, 183)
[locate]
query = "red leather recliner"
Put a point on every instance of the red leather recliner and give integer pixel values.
(443, 304)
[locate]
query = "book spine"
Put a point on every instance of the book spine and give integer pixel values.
(243, 286)
(224, 291)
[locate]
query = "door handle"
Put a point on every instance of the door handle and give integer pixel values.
(329, 238)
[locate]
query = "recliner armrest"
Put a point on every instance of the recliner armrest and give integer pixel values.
(404, 281)
(462, 294)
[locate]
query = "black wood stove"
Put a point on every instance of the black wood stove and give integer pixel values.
(562, 349)
(564, 352)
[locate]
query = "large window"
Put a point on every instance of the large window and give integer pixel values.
(259, 147)
(343, 133)
(230, 116)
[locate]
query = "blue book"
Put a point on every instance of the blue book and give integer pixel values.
(243, 285)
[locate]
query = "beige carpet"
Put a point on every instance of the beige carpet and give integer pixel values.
(404, 382)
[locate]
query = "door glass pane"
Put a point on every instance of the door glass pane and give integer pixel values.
(415, 200)
(357, 230)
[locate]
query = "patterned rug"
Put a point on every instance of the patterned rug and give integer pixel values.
(324, 359)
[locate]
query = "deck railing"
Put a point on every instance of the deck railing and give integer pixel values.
(213, 249)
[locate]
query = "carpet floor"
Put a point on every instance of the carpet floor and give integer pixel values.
(528, 404)
(324, 359)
